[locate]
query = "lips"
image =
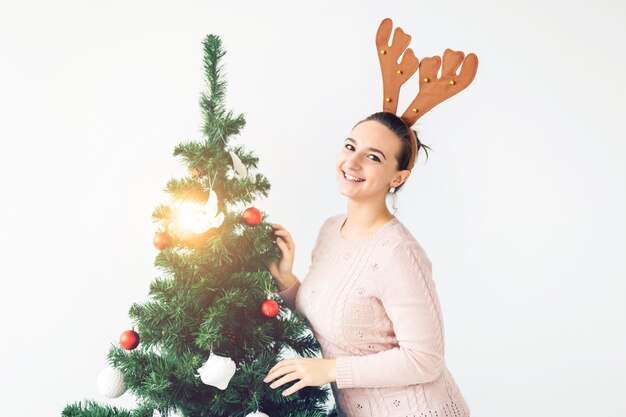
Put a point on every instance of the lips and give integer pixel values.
(354, 176)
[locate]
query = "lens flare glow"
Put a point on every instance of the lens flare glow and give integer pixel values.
(190, 216)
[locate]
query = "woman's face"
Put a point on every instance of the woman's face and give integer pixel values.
(369, 153)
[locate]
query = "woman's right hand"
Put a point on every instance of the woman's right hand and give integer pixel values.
(282, 271)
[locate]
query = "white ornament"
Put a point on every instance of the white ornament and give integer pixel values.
(209, 217)
(257, 413)
(111, 382)
(217, 371)
(192, 216)
(241, 171)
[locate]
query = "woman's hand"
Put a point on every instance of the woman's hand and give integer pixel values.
(283, 271)
(312, 372)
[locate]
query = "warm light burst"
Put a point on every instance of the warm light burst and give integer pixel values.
(190, 216)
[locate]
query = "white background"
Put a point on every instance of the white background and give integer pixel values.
(520, 205)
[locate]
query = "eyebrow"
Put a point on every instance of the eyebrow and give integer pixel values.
(371, 149)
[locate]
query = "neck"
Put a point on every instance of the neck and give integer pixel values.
(364, 217)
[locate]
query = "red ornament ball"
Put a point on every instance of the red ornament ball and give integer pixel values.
(252, 216)
(270, 308)
(129, 340)
(161, 240)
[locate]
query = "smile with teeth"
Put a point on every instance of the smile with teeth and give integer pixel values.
(351, 178)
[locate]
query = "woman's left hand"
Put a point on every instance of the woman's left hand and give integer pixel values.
(311, 372)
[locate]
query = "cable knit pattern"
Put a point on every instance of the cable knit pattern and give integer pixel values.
(372, 304)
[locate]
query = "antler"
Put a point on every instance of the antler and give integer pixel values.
(394, 74)
(432, 90)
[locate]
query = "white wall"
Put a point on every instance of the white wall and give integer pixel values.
(518, 206)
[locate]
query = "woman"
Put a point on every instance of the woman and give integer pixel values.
(369, 296)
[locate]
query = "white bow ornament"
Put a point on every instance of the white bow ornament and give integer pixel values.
(217, 371)
(241, 171)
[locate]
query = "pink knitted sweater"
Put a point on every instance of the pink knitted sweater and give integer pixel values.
(372, 305)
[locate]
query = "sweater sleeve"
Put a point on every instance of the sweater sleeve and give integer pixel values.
(408, 295)
(289, 294)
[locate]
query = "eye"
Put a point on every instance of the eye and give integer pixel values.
(352, 147)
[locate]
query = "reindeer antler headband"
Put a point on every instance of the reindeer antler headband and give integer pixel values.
(432, 90)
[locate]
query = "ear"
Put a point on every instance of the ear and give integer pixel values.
(401, 177)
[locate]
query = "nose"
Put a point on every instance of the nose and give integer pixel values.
(352, 162)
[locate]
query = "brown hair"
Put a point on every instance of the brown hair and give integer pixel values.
(402, 130)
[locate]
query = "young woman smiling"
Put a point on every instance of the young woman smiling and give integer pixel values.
(369, 295)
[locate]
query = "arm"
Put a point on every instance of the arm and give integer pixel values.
(289, 291)
(289, 294)
(408, 295)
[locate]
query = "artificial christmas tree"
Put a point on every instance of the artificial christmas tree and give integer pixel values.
(212, 329)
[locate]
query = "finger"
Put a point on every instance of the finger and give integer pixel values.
(295, 387)
(276, 226)
(282, 233)
(287, 378)
(286, 250)
(280, 364)
(272, 370)
(287, 239)
(282, 244)
(277, 374)
(283, 370)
